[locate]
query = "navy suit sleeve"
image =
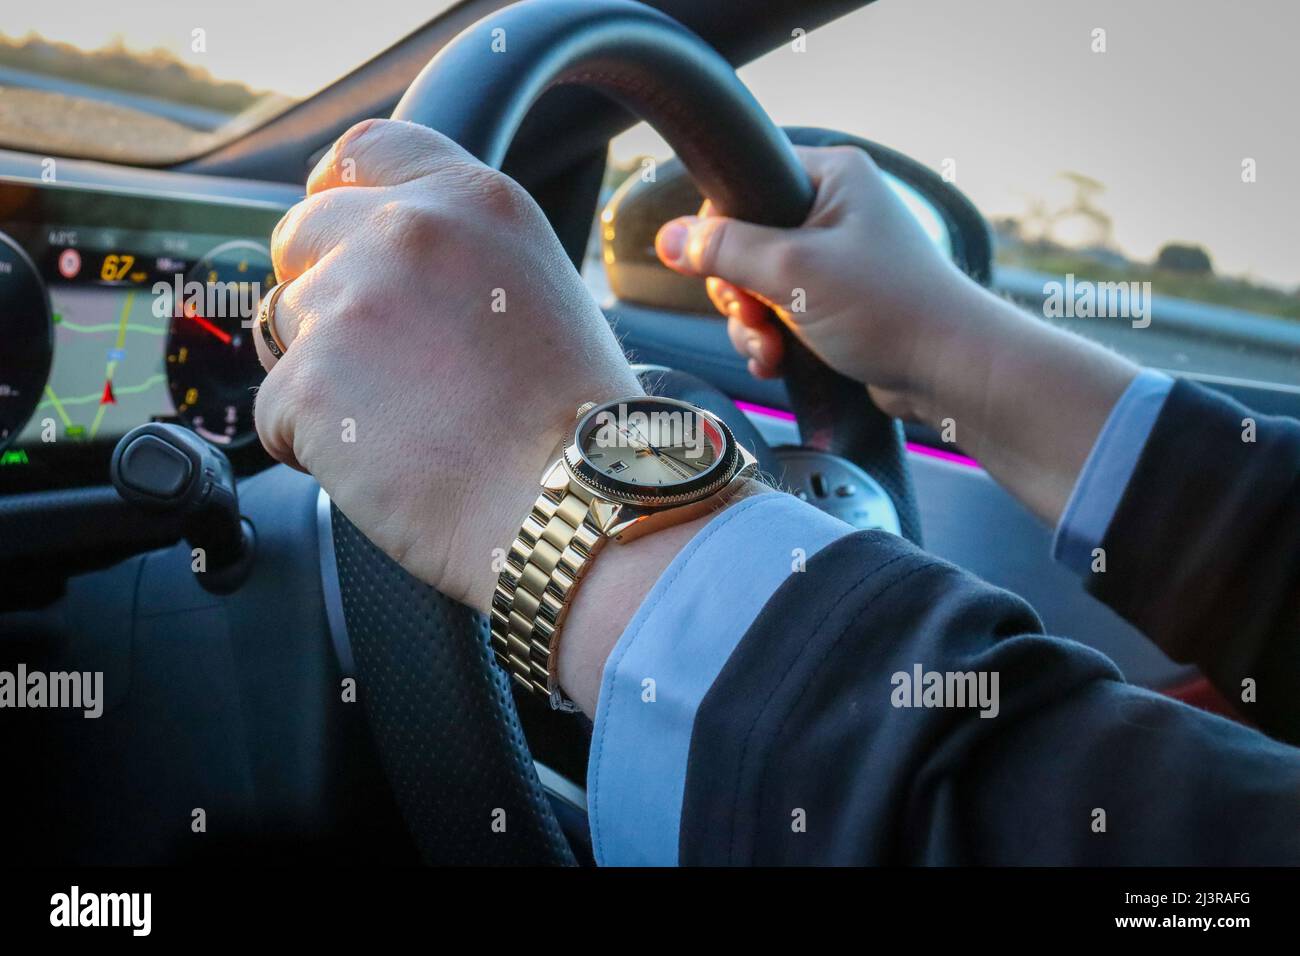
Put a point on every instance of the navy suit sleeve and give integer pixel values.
(1203, 553)
(811, 747)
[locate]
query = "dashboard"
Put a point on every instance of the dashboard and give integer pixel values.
(119, 308)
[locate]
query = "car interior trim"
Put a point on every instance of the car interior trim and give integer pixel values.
(330, 590)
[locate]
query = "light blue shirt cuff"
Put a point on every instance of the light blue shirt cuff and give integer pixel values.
(1107, 471)
(669, 656)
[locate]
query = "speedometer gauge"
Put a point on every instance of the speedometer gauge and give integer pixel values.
(212, 365)
(25, 339)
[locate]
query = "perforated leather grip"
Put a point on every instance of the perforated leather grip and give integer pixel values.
(444, 722)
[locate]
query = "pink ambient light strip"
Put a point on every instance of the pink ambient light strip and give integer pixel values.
(926, 450)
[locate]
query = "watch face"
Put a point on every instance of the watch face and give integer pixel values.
(652, 448)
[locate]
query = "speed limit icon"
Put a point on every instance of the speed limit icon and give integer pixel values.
(69, 263)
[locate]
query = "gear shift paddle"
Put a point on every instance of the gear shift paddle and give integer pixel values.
(163, 467)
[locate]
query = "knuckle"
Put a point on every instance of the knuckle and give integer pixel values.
(350, 142)
(790, 259)
(706, 248)
(497, 196)
(853, 161)
(289, 310)
(396, 151)
(360, 129)
(286, 230)
(271, 413)
(325, 205)
(406, 224)
(349, 296)
(289, 235)
(266, 402)
(300, 388)
(358, 309)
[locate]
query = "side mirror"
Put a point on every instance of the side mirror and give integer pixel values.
(638, 208)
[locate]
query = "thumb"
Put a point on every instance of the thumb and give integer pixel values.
(740, 252)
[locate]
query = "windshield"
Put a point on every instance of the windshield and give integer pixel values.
(1119, 153)
(116, 82)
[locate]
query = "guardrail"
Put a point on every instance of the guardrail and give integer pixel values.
(1172, 314)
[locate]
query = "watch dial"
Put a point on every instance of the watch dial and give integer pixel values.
(651, 443)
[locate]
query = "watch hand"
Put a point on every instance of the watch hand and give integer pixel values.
(647, 441)
(632, 441)
(674, 465)
(682, 461)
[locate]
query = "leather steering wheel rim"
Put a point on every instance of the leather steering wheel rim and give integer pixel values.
(441, 711)
(739, 158)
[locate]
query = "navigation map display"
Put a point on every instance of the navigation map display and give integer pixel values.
(122, 310)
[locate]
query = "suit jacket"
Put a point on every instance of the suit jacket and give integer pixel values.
(1203, 554)
(887, 707)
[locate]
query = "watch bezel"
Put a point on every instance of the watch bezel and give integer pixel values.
(710, 482)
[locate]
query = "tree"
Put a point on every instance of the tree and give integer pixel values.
(1188, 259)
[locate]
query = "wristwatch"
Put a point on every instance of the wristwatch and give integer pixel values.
(629, 467)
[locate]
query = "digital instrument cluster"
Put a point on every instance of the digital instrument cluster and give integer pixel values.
(118, 309)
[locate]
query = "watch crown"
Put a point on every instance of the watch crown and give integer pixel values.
(584, 408)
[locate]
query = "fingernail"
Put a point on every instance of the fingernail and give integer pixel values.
(755, 344)
(672, 241)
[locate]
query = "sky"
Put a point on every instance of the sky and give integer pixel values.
(284, 46)
(1011, 90)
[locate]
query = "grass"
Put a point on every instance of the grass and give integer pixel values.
(1216, 290)
(156, 73)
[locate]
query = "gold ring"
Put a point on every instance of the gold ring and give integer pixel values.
(266, 320)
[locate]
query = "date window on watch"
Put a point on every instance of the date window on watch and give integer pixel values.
(616, 466)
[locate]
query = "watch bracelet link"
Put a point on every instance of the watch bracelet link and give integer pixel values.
(535, 588)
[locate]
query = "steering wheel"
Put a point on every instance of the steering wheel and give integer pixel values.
(441, 712)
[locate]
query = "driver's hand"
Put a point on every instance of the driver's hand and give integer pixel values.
(859, 282)
(439, 345)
